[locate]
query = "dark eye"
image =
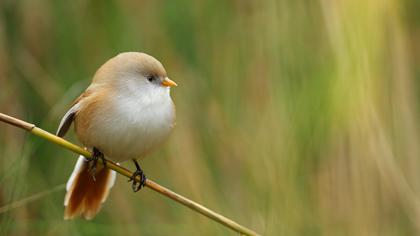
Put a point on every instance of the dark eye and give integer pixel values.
(151, 78)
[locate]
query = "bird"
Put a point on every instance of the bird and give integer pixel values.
(124, 114)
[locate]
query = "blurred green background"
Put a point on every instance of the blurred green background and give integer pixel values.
(293, 117)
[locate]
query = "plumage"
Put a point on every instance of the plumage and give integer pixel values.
(84, 194)
(67, 120)
(125, 113)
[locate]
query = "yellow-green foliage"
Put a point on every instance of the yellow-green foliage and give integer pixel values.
(294, 117)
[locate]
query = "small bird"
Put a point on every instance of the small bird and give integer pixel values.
(124, 114)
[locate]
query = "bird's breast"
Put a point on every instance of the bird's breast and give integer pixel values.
(127, 127)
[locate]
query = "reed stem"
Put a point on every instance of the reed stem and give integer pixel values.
(123, 171)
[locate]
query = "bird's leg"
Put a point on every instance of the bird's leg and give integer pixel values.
(93, 161)
(139, 172)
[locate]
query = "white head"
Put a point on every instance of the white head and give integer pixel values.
(135, 74)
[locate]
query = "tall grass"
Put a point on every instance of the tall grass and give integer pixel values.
(294, 117)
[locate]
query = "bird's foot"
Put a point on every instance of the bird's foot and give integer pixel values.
(137, 185)
(93, 162)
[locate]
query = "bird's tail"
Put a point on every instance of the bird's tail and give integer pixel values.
(85, 194)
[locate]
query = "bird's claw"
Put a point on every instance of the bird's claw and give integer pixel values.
(137, 185)
(93, 162)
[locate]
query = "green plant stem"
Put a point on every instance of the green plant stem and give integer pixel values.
(123, 171)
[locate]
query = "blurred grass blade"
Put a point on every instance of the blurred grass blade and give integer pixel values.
(30, 199)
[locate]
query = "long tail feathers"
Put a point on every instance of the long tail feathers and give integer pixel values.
(84, 194)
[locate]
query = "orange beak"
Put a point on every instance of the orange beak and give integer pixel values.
(168, 83)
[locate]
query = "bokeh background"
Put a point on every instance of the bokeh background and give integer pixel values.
(293, 117)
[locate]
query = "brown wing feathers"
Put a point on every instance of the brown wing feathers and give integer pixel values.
(70, 115)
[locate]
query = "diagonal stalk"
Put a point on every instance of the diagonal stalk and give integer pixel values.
(123, 171)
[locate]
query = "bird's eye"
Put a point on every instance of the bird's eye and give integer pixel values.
(151, 78)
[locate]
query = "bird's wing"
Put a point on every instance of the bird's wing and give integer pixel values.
(70, 115)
